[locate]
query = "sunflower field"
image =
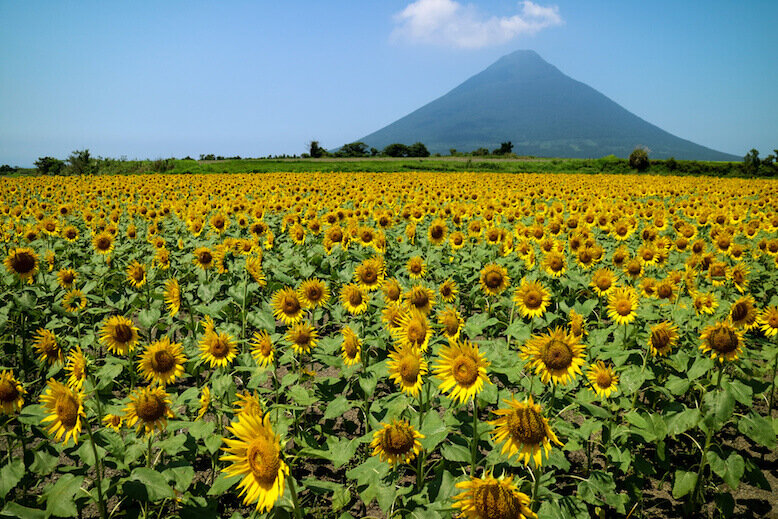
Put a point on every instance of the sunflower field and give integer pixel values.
(488, 346)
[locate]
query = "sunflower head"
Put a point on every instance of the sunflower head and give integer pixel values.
(416, 267)
(406, 368)
(119, 335)
(523, 431)
(397, 442)
(23, 262)
(149, 408)
(11, 394)
(73, 301)
(532, 298)
(203, 258)
(462, 370)
(65, 409)
(622, 305)
(218, 349)
(369, 275)
(494, 279)
(451, 322)
(76, 367)
(351, 347)
(302, 337)
(136, 274)
(48, 347)
(262, 348)
(490, 498)
(313, 293)
(287, 306)
(420, 298)
(768, 321)
(162, 362)
(354, 299)
(743, 313)
(662, 338)
(392, 290)
(723, 340)
(66, 278)
(603, 381)
(556, 356)
(413, 330)
(448, 290)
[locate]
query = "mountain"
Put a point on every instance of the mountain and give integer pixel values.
(523, 99)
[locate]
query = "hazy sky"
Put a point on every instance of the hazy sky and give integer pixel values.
(158, 79)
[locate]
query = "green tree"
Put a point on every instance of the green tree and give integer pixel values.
(396, 150)
(751, 162)
(638, 159)
(418, 149)
(314, 150)
(504, 149)
(49, 165)
(354, 149)
(81, 162)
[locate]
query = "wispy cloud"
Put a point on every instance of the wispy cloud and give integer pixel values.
(451, 24)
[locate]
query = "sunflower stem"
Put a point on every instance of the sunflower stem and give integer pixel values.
(474, 444)
(772, 387)
(99, 474)
(537, 473)
(696, 496)
(642, 369)
(243, 306)
(148, 457)
(298, 511)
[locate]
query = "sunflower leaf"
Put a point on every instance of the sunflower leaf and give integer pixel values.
(222, 484)
(684, 483)
(759, 429)
(147, 484)
(16, 510)
(10, 476)
(735, 469)
(60, 496)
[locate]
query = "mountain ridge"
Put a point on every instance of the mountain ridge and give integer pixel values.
(526, 100)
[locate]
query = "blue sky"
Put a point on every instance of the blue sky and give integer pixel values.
(158, 79)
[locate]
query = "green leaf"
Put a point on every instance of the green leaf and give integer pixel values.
(434, 430)
(717, 465)
(148, 317)
(759, 429)
(222, 484)
(678, 423)
(16, 510)
(181, 476)
(44, 463)
(86, 454)
(631, 379)
(32, 414)
(742, 393)
(368, 381)
(717, 407)
(684, 483)
(342, 450)
(147, 484)
(213, 443)
(677, 386)
(60, 497)
(337, 407)
(455, 452)
(302, 396)
(173, 445)
(199, 429)
(701, 366)
(10, 476)
(476, 324)
(735, 469)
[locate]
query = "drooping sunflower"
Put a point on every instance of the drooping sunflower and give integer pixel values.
(416, 267)
(577, 324)
(369, 275)
(287, 306)
(162, 362)
(462, 369)
(523, 431)
(420, 298)
(254, 268)
(205, 402)
(303, 337)
(723, 340)
(622, 305)
(113, 421)
(262, 349)
(255, 454)
(392, 290)
(48, 347)
(313, 293)
(490, 498)
(602, 380)
(666, 289)
(218, 349)
(64, 408)
(353, 298)
(66, 278)
(451, 323)
(76, 367)
(23, 262)
(103, 242)
(768, 321)
(448, 290)
(413, 330)
(662, 338)
(73, 301)
(494, 279)
(532, 298)
(149, 407)
(11, 394)
(172, 295)
(136, 274)
(743, 313)
(203, 258)
(556, 356)
(351, 347)
(119, 335)
(406, 368)
(397, 442)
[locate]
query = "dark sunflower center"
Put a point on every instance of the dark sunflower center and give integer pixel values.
(369, 275)
(458, 240)
(739, 311)
(302, 338)
(138, 274)
(603, 379)
(397, 440)
(526, 426)
(557, 355)
(660, 339)
(103, 243)
(556, 264)
(409, 369)
(355, 298)
(162, 361)
(122, 333)
(23, 262)
(623, 307)
(436, 232)
(415, 267)
(493, 501)
(450, 324)
(150, 408)
(417, 332)
(464, 370)
(8, 391)
(664, 291)
(264, 461)
(350, 347)
(314, 293)
(393, 292)
(71, 234)
(290, 305)
(633, 268)
(723, 340)
(603, 282)
(68, 278)
(218, 222)
(445, 290)
(717, 270)
(265, 348)
(420, 299)
(219, 347)
(66, 408)
(205, 257)
(585, 257)
(533, 299)
(493, 279)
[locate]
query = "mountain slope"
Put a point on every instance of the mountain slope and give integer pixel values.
(523, 99)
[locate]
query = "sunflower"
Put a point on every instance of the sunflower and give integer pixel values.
(448, 290)
(413, 330)
(73, 301)
(203, 258)
(255, 454)
(494, 279)
(392, 290)
(248, 403)
(420, 298)
(603, 281)
(11, 394)
(313, 293)
(623, 305)
(392, 314)
(523, 431)
(451, 322)
(462, 369)
(768, 321)
(103, 242)
(303, 337)
(66, 278)
(416, 267)
(397, 442)
(648, 286)
(532, 298)
(556, 356)
(436, 234)
(705, 303)
(718, 272)
(577, 324)
(65, 409)
(205, 402)
(351, 347)
(119, 335)
(739, 276)
(457, 240)
(262, 349)
(23, 262)
(218, 349)
(149, 407)
(369, 274)
(113, 421)
(353, 298)
(662, 338)
(254, 268)
(136, 274)
(47, 347)
(554, 264)
(162, 362)
(70, 233)
(406, 368)
(490, 498)
(219, 222)
(723, 339)
(743, 314)
(602, 379)
(287, 306)
(76, 367)
(172, 295)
